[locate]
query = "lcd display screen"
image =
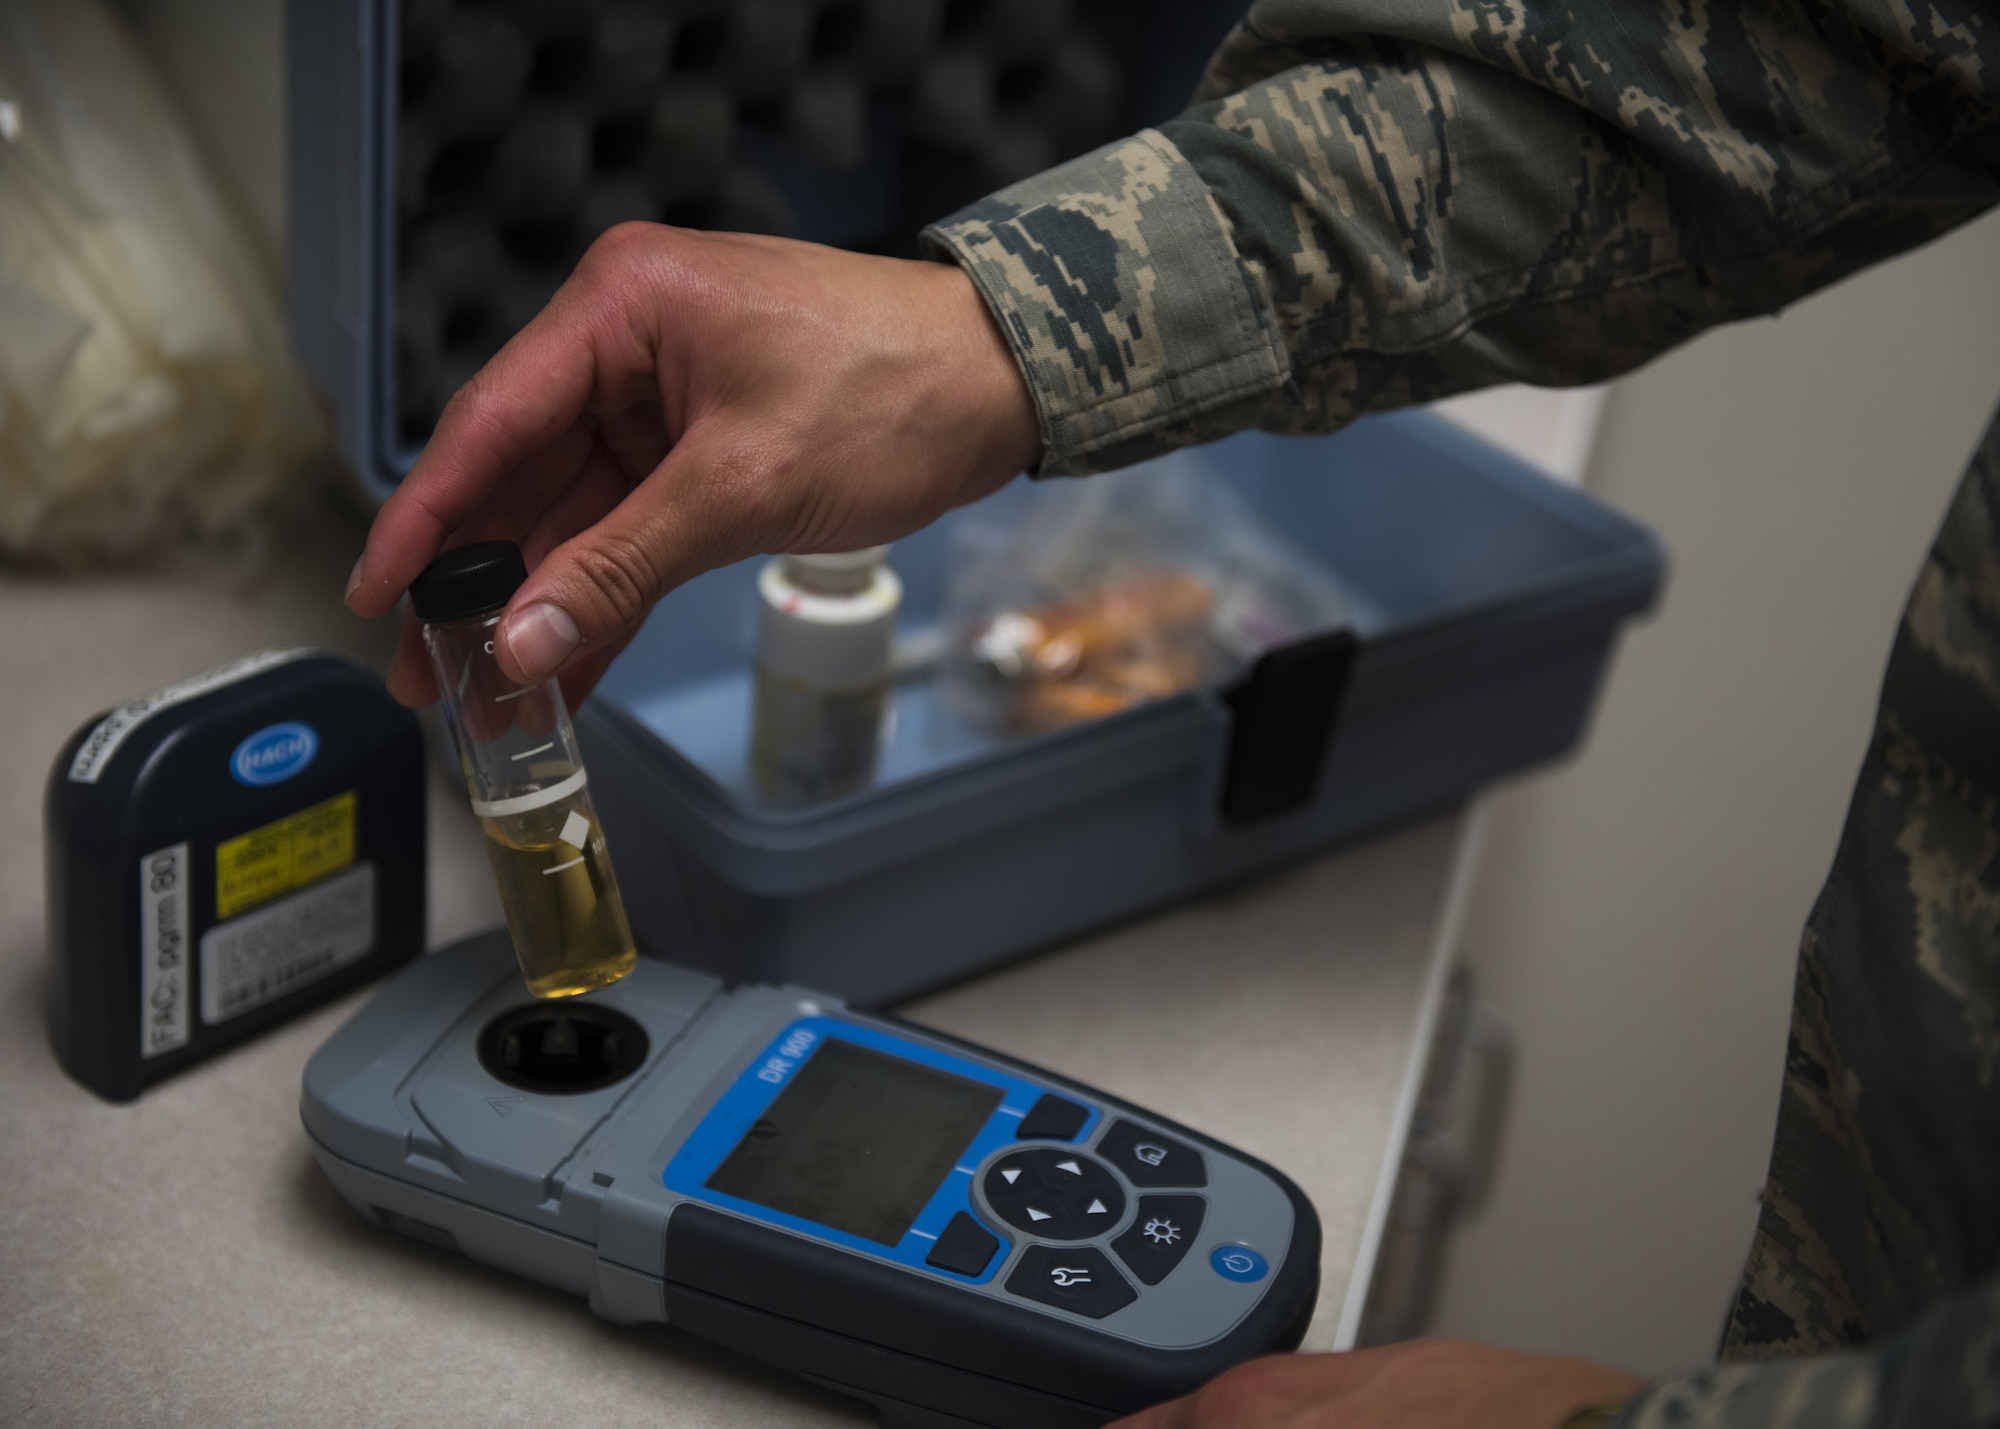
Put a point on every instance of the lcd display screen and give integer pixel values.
(859, 1141)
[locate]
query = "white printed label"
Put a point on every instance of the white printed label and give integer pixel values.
(283, 946)
(112, 730)
(163, 935)
(539, 798)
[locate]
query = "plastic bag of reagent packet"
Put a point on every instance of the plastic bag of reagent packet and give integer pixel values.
(1079, 599)
(148, 403)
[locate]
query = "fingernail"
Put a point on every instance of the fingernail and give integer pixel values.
(540, 639)
(354, 578)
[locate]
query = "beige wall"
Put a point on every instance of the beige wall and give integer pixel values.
(1638, 911)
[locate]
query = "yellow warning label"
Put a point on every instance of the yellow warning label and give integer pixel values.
(285, 855)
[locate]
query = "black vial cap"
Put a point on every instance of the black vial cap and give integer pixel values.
(472, 580)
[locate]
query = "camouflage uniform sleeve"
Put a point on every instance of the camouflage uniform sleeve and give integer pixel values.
(1380, 202)
(1942, 1373)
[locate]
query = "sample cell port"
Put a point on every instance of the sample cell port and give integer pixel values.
(560, 1051)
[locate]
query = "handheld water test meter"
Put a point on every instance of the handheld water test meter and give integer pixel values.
(954, 1236)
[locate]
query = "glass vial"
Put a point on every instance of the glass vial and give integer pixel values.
(824, 629)
(526, 778)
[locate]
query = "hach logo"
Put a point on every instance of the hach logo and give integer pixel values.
(274, 754)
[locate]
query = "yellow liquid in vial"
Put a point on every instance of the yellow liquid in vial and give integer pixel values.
(560, 897)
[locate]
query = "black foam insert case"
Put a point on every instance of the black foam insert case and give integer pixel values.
(522, 129)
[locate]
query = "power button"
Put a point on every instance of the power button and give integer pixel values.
(1238, 1262)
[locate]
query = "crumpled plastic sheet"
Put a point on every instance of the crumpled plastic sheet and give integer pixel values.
(148, 404)
(1078, 600)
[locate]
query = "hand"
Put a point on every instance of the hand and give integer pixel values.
(687, 400)
(1426, 1384)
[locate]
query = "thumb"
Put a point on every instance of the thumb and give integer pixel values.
(536, 640)
(585, 600)
(590, 593)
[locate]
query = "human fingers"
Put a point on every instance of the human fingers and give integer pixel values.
(407, 534)
(410, 679)
(802, 399)
(593, 343)
(597, 492)
(890, 400)
(580, 499)
(1425, 1384)
(1275, 1392)
(591, 493)
(636, 437)
(580, 677)
(698, 511)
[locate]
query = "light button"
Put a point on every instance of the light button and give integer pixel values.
(1161, 1234)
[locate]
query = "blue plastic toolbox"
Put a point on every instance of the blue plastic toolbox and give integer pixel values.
(1485, 602)
(448, 160)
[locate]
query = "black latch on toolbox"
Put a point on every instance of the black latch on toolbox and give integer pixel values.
(1285, 710)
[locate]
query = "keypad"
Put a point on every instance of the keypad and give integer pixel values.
(1054, 1194)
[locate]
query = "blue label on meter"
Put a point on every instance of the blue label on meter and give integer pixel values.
(274, 754)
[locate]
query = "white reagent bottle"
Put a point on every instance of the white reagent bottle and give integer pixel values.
(825, 624)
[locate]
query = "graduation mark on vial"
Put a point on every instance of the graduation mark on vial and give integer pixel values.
(558, 892)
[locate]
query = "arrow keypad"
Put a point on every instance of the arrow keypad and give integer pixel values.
(1054, 1194)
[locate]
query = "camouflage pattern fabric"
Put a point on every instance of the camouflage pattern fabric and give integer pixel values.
(1940, 1375)
(1884, 1194)
(1883, 1201)
(1379, 202)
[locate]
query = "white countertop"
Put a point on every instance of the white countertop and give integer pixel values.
(182, 1261)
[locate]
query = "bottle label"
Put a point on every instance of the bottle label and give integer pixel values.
(115, 728)
(285, 854)
(163, 952)
(284, 946)
(810, 744)
(533, 799)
